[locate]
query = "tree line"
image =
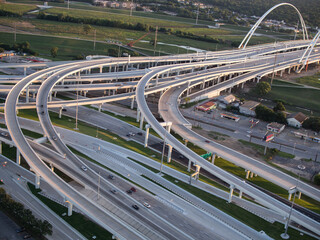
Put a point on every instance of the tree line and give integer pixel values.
(23, 216)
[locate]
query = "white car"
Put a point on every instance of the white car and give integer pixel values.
(147, 205)
(84, 168)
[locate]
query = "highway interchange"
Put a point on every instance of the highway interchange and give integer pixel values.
(173, 77)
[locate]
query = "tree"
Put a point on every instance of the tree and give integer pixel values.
(87, 28)
(279, 107)
(1, 50)
(263, 88)
(54, 51)
(312, 123)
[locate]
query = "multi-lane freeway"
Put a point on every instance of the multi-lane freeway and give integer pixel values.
(170, 76)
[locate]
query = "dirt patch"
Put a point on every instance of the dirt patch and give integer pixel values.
(231, 143)
(293, 76)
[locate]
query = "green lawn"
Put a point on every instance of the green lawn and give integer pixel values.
(17, 8)
(81, 223)
(313, 81)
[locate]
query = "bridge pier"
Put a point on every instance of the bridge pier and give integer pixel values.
(0, 147)
(25, 71)
(60, 112)
(147, 135)
(34, 95)
(70, 207)
(18, 157)
(231, 193)
(169, 153)
(100, 69)
(138, 115)
(37, 181)
(51, 167)
(189, 165)
(186, 142)
(100, 106)
(27, 94)
(141, 121)
(240, 194)
(251, 175)
(132, 103)
(247, 174)
(213, 157)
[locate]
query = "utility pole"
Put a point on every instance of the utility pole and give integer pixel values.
(15, 33)
(155, 41)
(274, 65)
(197, 14)
(94, 40)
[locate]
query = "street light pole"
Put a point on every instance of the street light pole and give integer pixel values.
(285, 234)
(99, 186)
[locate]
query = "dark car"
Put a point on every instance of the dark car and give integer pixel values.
(133, 189)
(139, 133)
(129, 191)
(111, 177)
(113, 191)
(135, 207)
(207, 141)
(64, 110)
(66, 87)
(20, 230)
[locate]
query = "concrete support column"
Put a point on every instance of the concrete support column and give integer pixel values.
(50, 97)
(188, 89)
(247, 175)
(186, 142)
(141, 121)
(240, 194)
(289, 70)
(27, 94)
(100, 106)
(281, 73)
(0, 147)
(203, 84)
(55, 94)
(25, 71)
(147, 135)
(70, 207)
(138, 115)
(34, 95)
(299, 195)
(251, 175)
(213, 157)
(242, 85)
(100, 69)
(60, 112)
(37, 183)
(231, 193)
(18, 157)
(169, 153)
(52, 167)
(189, 165)
(132, 103)
(85, 93)
(289, 197)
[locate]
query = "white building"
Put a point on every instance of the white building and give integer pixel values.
(296, 119)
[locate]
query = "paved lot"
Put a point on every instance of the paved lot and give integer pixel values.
(8, 229)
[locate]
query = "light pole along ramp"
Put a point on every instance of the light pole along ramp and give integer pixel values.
(225, 176)
(98, 214)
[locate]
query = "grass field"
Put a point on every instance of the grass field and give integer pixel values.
(313, 81)
(17, 8)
